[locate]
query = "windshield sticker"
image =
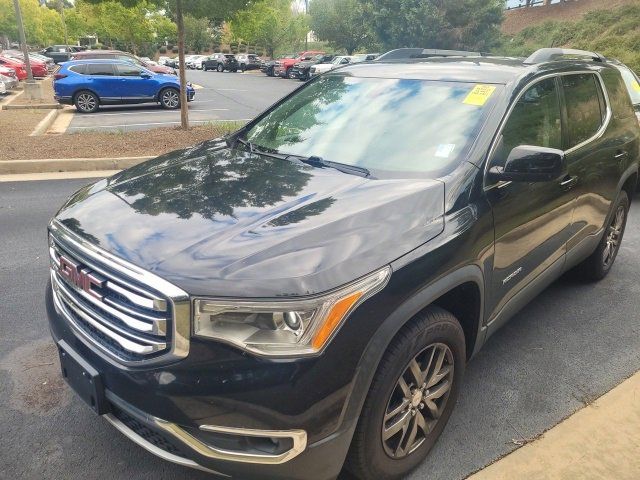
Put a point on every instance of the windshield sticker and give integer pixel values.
(479, 95)
(636, 86)
(444, 150)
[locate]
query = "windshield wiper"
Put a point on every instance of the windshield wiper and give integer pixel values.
(343, 167)
(254, 149)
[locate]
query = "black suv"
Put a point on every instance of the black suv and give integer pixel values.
(300, 70)
(221, 62)
(310, 288)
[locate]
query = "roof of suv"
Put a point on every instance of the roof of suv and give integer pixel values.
(473, 67)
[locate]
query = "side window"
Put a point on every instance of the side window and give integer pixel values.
(582, 96)
(128, 71)
(81, 69)
(534, 120)
(619, 89)
(103, 69)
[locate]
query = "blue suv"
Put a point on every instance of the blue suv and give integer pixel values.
(87, 84)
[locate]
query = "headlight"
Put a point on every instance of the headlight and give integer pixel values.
(284, 328)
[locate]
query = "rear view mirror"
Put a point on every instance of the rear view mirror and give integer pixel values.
(528, 163)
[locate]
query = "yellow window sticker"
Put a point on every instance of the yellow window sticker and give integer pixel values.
(636, 86)
(479, 95)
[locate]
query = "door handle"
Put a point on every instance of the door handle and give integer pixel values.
(621, 155)
(568, 182)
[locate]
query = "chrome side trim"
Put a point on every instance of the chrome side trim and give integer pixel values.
(180, 333)
(134, 437)
(505, 119)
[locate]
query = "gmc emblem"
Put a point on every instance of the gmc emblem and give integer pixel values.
(82, 278)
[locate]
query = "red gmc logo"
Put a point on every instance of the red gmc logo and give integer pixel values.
(82, 278)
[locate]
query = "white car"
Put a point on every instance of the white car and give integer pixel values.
(8, 77)
(325, 67)
(196, 61)
(163, 60)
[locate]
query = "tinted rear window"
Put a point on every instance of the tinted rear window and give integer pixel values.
(582, 95)
(99, 69)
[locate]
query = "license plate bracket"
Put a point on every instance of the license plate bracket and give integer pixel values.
(82, 378)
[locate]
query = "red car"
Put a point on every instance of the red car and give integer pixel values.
(39, 68)
(15, 65)
(282, 67)
(118, 55)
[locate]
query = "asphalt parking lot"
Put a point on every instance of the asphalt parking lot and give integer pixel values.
(569, 346)
(219, 97)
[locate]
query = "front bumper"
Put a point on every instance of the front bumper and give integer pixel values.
(201, 411)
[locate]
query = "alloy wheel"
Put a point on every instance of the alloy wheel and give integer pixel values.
(417, 400)
(86, 102)
(614, 234)
(170, 99)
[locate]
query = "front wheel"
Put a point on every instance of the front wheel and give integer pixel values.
(220, 67)
(598, 265)
(411, 397)
(243, 68)
(86, 102)
(170, 98)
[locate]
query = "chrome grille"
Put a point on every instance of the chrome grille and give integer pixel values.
(111, 309)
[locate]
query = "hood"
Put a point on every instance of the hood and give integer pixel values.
(224, 222)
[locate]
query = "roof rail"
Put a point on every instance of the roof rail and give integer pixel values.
(554, 54)
(409, 53)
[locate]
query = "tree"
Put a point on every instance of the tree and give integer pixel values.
(196, 33)
(271, 24)
(341, 22)
(216, 9)
(457, 24)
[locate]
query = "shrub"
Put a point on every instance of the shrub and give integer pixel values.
(162, 49)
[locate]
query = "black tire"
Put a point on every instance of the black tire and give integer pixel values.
(204, 69)
(86, 101)
(599, 263)
(369, 457)
(243, 68)
(220, 68)
(169, 98)
(234, 70)
(287, 73)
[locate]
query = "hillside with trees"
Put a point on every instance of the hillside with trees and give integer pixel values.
(611, 32)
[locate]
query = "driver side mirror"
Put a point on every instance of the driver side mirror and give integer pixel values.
(527, 163)
(145, 75)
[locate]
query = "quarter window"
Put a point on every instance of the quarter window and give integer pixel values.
(81, 69)
(534, 120)
(584, 113)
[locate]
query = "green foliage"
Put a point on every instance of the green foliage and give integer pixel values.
(460, 24)
(42, 25)
(270, 24)
(613, 33)
(197, 36)
(344, 23)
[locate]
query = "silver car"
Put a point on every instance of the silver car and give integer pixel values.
(10, 82)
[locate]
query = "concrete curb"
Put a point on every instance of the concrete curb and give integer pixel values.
(68, 165)
(40, 106)
(45, 123)
(7, 100)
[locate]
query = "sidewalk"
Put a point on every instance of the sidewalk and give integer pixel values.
(601, 441)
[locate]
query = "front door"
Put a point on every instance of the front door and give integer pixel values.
(531, 220)
(133, 85)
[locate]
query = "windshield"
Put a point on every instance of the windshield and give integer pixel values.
(394, 125)
(632, 84)
(337, 60)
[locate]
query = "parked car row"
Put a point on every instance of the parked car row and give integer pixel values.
(14, 60)
(8, 80)
(305, 65)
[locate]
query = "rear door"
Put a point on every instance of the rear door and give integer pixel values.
(102, 80)
(597, 151)
(132, 85)
(532, 220)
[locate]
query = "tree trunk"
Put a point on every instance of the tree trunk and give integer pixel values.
(184, 112)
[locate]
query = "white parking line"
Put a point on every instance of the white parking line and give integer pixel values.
(95, 127)
(138, 112)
